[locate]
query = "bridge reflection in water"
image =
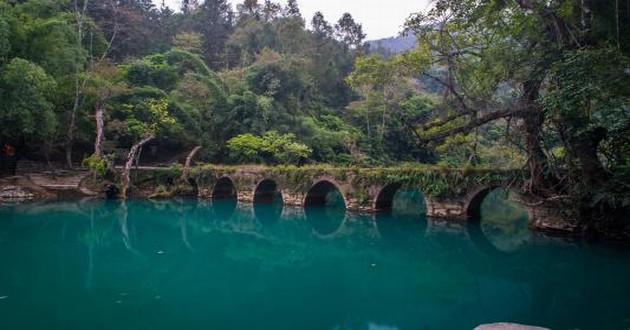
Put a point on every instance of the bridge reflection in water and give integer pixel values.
(187, 263)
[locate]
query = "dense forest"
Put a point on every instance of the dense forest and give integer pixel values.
(539, 85)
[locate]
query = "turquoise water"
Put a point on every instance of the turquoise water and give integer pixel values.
(188, 264)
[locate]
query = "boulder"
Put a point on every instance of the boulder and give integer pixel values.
(508, 326)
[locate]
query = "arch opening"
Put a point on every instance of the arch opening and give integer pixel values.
(267, 192)
(401, 201)
(325, 208)
(268, 202)
(325, 193)
(385, 198)
(224, 189)
(496, 222)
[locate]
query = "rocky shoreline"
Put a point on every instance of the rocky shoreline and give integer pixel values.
(15, 194)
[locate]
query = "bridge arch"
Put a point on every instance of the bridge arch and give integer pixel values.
(268, 202)
(475, 197)
(320, 193)
(399, 198)
(385, 197)
(325, 221)
(489, 235)
(266, 191)
(224, 189)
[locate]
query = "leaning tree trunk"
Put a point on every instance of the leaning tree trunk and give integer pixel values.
(124, 180)
(184, 177)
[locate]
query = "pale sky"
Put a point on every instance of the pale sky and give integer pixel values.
(380, 18)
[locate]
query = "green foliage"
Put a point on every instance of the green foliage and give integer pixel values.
(152, 71)
(270, 148)
(5, 46)
(589, 92)
(188, 41)
(147, 116)
(26, 110)
(331, 138)
(96, 164)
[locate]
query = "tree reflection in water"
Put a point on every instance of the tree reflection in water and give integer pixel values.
(401, 278)
(503, 225)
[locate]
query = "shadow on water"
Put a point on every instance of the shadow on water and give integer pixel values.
(502, 226)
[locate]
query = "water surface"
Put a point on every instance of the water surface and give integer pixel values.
(188, 264)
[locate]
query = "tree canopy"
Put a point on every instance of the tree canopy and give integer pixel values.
(539, 85)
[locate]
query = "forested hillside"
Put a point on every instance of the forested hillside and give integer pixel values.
(202, 76)
(541, 85)
(393, 45)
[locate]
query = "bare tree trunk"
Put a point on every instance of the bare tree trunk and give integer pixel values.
(79, 17)
(124, 180)
(100, 129)
(99, 115)
(100, 124)
(73, 115)
(184, 177)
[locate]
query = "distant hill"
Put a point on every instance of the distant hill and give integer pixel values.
(392, 45)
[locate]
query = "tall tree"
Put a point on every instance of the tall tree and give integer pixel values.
(248, 9)
(349, 32)
(271, 10)
(80, 16)
(26, 111)
(292, 9)
(321, 27)
(134, 27)
(214, 22)
(188, 6)
(530, 48)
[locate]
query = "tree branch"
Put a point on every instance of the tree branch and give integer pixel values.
(473, 124)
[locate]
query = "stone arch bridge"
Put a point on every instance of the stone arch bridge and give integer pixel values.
(449, 193)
